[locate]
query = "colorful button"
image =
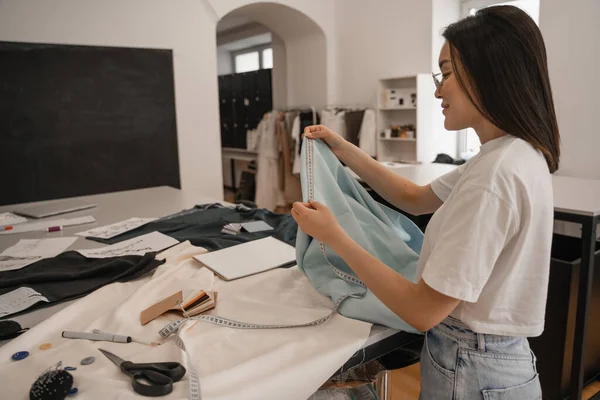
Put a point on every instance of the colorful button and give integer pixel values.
(70, 368)
(19, 355)
(87, 360)
(45, 346)
(73, 392)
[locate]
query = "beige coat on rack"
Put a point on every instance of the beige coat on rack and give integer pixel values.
(268, 194)
(289, 183)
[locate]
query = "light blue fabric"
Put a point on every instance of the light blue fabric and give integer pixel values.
(383, 232)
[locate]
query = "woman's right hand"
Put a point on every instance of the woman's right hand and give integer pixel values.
(333, 140)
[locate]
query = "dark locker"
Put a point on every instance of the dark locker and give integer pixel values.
(241, 122)
(237, 84)
(263, 96)
(249, 83)
(243, 100)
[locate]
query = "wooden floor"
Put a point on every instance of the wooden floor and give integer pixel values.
(405, 385)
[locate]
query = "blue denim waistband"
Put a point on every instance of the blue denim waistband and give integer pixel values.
(456, 329)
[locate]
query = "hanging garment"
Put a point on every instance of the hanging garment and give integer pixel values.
(202, 226)
(289, 183)
(71, 275)
(308, 117)
(335, 120)
(367, 137)
(296, 139)
(305, 118)
(268, 194)
(252, 139)
(353, 119)
(290, 116)
(282, 148)
(387, 234)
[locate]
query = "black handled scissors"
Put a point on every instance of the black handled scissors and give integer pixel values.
(160, 375)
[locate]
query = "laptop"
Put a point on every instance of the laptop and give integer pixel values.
(50, 209)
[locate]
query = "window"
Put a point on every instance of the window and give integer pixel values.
(469, 141)
(253, 59)
(267, 58)
(247, 62)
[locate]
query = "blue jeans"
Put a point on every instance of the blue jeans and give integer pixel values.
(459, 364)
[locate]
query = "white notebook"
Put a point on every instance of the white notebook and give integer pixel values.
(248, 258)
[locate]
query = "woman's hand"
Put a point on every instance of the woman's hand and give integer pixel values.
(333, 140)
(317, 221)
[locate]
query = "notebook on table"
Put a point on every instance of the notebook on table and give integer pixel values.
(249, 258)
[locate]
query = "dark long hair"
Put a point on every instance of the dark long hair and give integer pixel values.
(503, 59)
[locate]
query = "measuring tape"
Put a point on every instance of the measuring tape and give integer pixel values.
(174, 327)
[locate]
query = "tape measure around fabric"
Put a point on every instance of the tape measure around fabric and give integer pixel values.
(174, 327)
(310, 174)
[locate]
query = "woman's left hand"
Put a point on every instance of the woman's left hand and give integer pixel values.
(316, 220)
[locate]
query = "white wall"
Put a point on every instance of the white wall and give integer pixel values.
(307, 36)
(279, 73)
(572, 35)
(444, 12)
(224, 63)
(184, 26)
(379, 39)
(306, 71)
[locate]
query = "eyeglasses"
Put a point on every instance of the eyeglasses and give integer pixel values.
(438, 83)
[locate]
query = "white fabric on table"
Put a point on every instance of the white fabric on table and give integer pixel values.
(232, 364)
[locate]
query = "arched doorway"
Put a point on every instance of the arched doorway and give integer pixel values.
(299, 43)
(296, 51)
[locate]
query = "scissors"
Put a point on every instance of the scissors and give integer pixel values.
(160, 375)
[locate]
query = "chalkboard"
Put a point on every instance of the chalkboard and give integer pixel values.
(80, 120)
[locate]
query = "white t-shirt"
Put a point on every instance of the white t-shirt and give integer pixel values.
(489, 243)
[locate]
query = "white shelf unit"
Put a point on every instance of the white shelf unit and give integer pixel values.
(426, 115)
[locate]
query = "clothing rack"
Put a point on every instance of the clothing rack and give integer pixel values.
(348, 107)
(300, 109)
(295, 108)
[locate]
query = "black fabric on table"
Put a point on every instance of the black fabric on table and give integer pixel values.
(71, 275)
(202, 226)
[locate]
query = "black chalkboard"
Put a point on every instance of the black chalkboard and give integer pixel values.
(78, 120)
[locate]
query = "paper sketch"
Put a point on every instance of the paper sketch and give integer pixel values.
(154, 241)
(110, 231)
(28, 251)
(19, 300)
